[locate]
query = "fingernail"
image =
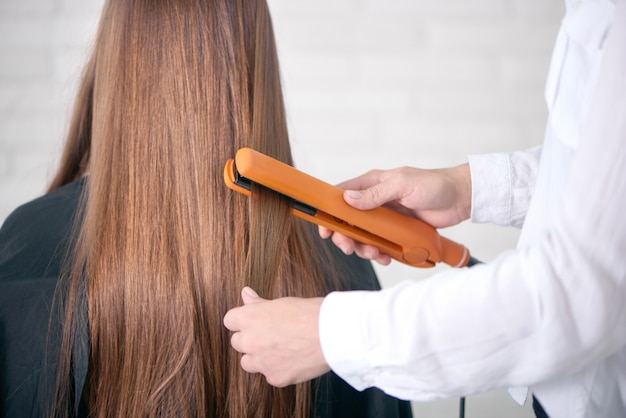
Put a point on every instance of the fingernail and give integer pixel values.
(250, 292)
(353, 194)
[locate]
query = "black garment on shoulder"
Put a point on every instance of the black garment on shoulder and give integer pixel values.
(34, 242)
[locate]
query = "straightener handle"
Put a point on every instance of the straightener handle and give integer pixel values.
(453, 253)
(417, 256)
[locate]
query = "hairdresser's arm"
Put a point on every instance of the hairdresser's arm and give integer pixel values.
(493, 188)
(533, 314)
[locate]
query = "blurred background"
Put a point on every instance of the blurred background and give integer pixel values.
(368, 84)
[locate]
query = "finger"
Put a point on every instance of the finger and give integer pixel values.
(236, 342)
(248, 364)
(278, 380)
(348, 246)
(231, 320)
(383, 259)
(345, 244)
(324, 232)
(367, 251)
(250, 296)
(372, 197)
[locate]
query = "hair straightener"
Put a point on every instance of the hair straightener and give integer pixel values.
(402, 237)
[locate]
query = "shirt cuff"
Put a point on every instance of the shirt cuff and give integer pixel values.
(491, 188)
(503, 185)
(343, 336)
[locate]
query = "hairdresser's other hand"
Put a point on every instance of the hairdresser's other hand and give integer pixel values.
(439, 197)
(278, 338)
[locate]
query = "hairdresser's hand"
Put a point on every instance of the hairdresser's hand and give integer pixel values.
(439, 197)
(278, 338)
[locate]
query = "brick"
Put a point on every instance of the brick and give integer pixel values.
(279, 8)
(463, 8)
(19, 65)
(478, 102)
(10, 93)
(470, 136)
(5, 161)
(37, 98)
(492, 35)
(27, 7)
(350, 100)
(524, 69)
(335, 33)
(428, 67)
(26, 131)
(35, 165)
(68, 7)
(317, 66)
(25, 33)
(68, 64)
(539, 8)
(29, 173)
(74, 30)
(331, 131)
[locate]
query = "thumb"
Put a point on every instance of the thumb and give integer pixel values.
(250, 296)
(368, 198)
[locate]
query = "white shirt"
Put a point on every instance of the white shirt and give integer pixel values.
(550, 314)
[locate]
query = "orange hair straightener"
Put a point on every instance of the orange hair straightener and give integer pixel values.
(402, 237)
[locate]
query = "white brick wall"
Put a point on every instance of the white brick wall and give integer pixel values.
(368, 83)
(42, 47)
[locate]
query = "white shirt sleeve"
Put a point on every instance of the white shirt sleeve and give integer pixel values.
(541, 311)
(502, 186)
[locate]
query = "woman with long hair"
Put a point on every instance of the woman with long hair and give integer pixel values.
(144, 247)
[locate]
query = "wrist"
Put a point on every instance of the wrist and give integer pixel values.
(462, 180)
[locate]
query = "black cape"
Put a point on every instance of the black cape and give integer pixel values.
(34, 241)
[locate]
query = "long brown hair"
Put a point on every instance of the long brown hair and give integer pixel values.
(172, 90)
